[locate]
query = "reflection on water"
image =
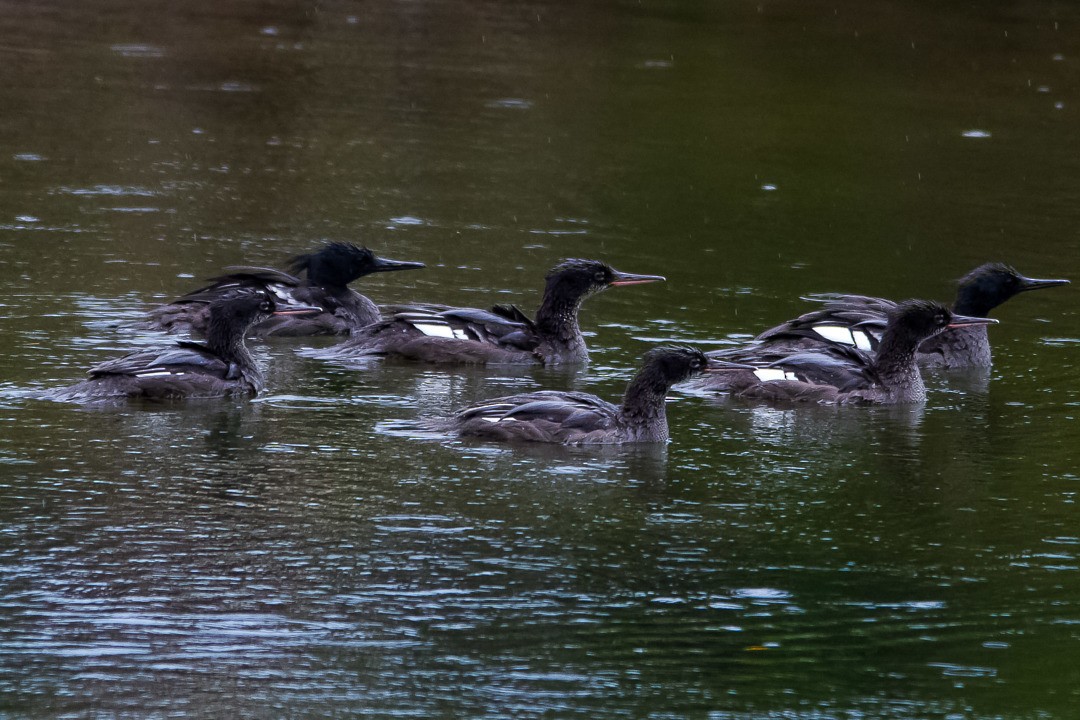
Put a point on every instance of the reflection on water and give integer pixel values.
(306, 554)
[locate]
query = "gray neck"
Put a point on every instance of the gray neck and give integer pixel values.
(967, 346)
(226, 340)
(644, 409)
(557, 325)
(363, 309)
(897, 370)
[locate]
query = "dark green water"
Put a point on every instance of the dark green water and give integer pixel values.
(301, 556)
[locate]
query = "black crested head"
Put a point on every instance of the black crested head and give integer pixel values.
(244, 308)
(989, 285)
(674, 363)
(231, 317)
(335, 265)
(919, 319)
(576, 279)
(338, 264)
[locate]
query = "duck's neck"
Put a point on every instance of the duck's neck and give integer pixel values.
(896, 367)
(364, 311)
(226, 339)
(974, 304)
(557, 324)
(967, 346)
(644, 409)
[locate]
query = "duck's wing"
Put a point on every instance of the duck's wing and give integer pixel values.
(793, 371)
(184, 357)
(567, 410)
(190, 312)
(242, 278)
(854, 320)
(843, 367)
(508, 329)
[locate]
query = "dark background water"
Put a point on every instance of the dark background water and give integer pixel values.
(301, 555)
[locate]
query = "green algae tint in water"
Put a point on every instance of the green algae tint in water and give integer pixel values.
(302, 555)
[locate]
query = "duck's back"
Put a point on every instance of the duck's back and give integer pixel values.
(181, 371)
(443, 334)
(343, 309)
(190, 313)
(568, 418)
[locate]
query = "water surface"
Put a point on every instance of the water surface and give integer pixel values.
(300, 555)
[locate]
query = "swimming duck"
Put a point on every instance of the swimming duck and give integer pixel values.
(841, 374)
(577, 418)
(329, 272)
(504, 334)
(859, 320)
(222, 366)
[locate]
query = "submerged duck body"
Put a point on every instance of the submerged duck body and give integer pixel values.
(328, 274)
(841, 374)
(222, 366)
(860, 321)
(504, 334)
(576, 418)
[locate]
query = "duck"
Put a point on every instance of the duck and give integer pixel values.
(501, 335)
(577, 418)
(222, 366)
(835, 373)
(860, 320)
(328, 270)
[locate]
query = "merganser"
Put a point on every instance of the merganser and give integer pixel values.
(223, 366)
(329, 272)
(841, 374)
(504, 334)
(576, 418)
(860, 320)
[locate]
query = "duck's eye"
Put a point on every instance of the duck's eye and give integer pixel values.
(942, 320)
(600, 276)
(695, 364)
(266, 306)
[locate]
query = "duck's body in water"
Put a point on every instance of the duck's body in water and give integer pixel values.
(859, 321)
(576, 418)
(504, 334)
(221, 366)
(326, 285)
(841, 374)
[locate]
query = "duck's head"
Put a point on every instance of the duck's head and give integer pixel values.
(676, 363)
(243, 310)
(921, 319)
(577, 279)
(338, 264)
(989, 285)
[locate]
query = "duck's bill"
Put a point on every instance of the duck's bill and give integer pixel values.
(622, 278)
(1027, 283)
(965, 321)
(717, 366)
(297, 310)
(388, 265)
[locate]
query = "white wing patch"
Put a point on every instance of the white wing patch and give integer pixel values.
(773, 374)
(152, 373)
(281, 293)
(862, 340)
(440, 330)
(837, 334)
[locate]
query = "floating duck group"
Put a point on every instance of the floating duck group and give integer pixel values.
(853, 349)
